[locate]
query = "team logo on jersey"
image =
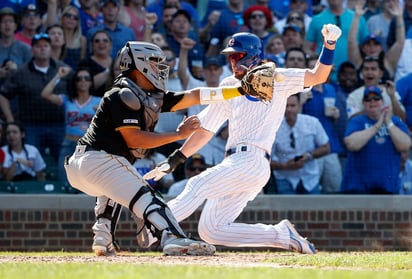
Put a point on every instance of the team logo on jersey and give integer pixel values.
(130, 121)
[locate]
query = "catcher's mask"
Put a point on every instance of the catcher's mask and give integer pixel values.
(246, 49)
(147, 58)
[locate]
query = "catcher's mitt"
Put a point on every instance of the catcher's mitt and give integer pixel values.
(258, 82)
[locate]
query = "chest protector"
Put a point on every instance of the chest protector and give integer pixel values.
(150, 107)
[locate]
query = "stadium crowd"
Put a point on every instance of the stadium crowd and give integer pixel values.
(58, 57)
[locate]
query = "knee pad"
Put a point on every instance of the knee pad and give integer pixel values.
(156, 214)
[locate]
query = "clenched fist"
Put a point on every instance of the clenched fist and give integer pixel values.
(331, 33)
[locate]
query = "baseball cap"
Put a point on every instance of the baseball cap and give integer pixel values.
(373, 37)
(7, 11)
(31, 8)
(290, 27)
(372, 89)
(182, 12)
(40, 36)
(105, 2)
(195, 156)
(212, 60)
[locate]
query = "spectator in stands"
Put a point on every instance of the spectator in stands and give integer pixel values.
(133, 15)
(158, 39)
(348, 81)
(211, 73)
(259, 20)
(230, 22)
(379, 24)
(44, 122)
(55, 11)
(299, 140)
(194, 165)
(58, 47)
(99, 62)
(90, 15)
(372, 46)
(297, 14)
(404, 87)
(292, 37)
(407, 23)
(295, 58)
(405, 175)
(79, 108)
(275, 50)
(323, 106)
(119, 33)
(30, 24)
(75, 42)
(151, 160)
(342, 17)
(164, 26)
(372, 74)
(12, 52)
(375, 141)
(180, 29)
(22, 161)
(372, 7)
(158, 7)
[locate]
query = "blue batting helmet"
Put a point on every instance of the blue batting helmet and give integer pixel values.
(247, 43)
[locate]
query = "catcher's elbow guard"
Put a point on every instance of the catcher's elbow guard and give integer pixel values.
(209, 95)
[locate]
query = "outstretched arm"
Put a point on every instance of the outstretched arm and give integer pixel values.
(320, 73)
(206, 96)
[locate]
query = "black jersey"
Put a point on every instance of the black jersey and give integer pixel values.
(113, 114)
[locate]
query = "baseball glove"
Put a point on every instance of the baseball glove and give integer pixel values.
(258, 82)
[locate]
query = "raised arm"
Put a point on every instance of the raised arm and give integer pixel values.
(394, 52)
(354, 54)
(47, 92)
(185, 45)
(320, 73)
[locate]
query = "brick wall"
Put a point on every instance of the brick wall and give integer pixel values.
(333, 223)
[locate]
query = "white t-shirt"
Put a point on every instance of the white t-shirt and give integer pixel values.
(29, 152)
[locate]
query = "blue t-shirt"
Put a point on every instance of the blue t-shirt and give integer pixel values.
(316, 108)
(404, 88)
(228, 24)
(377, 164)
(78, 117)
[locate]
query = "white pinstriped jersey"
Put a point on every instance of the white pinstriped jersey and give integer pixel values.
(253, 122)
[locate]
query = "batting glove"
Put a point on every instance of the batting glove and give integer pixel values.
(167, 166)
(331, 33)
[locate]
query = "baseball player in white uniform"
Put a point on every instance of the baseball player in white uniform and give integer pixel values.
(240, 177)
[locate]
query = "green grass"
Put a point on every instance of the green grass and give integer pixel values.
(323, 265)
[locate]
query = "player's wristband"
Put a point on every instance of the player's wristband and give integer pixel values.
(326, 56)
(209, 95)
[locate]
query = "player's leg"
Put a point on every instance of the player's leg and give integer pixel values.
(107, 214)
(114, 177)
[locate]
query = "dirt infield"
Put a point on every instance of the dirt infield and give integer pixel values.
(220, 259)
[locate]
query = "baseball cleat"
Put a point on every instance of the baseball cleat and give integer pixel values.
(186, 246)
(297, 242)
(102, 247)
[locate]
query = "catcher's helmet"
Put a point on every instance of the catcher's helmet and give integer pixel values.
(147, 58)
(247, 43)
